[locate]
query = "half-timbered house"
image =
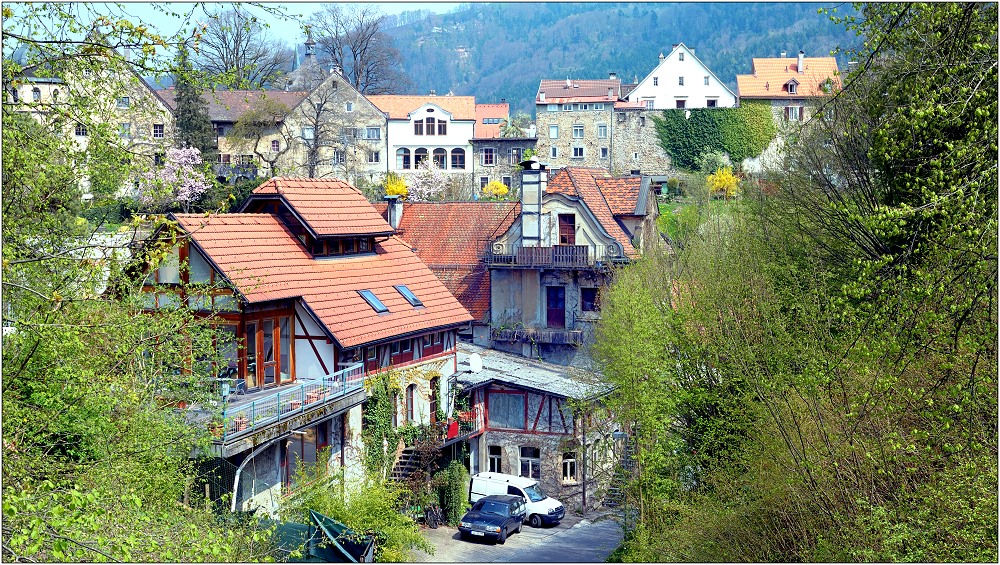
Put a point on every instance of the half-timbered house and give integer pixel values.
(318, 292)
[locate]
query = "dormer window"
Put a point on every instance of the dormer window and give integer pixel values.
(793, 87)
(373, 301)
(408, 295)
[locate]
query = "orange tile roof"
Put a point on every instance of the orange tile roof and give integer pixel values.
(621, 193)
(265, 262)
(229, 105)
(483, 111)
(451, 237)
(329, 207)
(770, 75)
(398, 107)
(557, 91)
(583, 182)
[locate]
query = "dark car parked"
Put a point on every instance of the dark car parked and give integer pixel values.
(494, 517)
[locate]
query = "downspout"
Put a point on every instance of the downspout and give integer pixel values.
(583, 425)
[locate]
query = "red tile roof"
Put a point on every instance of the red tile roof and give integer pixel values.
(584, 183)
(329, 207)
(559, 92)
(621, 193)
(451, 237)
(398, 107)
(265, 262)
(770, 75)
(229, 105)
(483, 111)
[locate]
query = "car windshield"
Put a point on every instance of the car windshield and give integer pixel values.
(493, 508)
(535, 493)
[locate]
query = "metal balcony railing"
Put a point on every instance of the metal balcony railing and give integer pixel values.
(245, 418)
(553, 336)
(464, 425)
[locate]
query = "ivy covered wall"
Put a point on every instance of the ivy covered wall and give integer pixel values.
(741, 132)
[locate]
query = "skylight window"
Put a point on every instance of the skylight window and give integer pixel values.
(373, 301)
(408, 295)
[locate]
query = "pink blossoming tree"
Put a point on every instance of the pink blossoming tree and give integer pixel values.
(177, 183)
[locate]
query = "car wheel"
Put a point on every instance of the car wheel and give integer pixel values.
(519, 526)
(502, 538)
(536, 521)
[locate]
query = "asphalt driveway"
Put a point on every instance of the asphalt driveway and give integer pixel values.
(576, 539)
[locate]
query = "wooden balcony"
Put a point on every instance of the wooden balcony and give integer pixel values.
(555, 257)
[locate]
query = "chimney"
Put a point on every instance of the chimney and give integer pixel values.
(802, 60)
(433, 92)
(783, 54)
(394, 210)
(612, 76)
(662, 57)
(541, 97)
(611, 92)
(692, 50)
(569, 83)
(533, 180)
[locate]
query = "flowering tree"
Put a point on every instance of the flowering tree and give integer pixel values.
(395, 185)
(177, 183)
(427, 183)
(495, 190)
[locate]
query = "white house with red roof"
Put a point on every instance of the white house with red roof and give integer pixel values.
(682, 80)
(436, 128)
(318, 293)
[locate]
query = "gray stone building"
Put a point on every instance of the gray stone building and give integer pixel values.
(538, 420)
(588, 123)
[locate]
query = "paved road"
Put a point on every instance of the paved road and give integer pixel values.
(575, 539)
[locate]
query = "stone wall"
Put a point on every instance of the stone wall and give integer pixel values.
(636, 146)
(565, 142)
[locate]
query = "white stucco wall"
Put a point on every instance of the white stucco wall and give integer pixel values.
(667, 90)
(458, 135)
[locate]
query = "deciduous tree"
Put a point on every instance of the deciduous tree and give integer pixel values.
(235, 49)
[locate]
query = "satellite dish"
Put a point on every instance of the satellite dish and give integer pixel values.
(475, 363)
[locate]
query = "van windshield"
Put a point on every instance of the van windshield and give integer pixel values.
(534, 492)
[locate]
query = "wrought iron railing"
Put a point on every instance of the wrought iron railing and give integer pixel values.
(465, 424)
(311, 393)
(554, 336)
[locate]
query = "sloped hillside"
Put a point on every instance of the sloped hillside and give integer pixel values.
(499, 50)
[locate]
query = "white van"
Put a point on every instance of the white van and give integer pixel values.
(541, 509)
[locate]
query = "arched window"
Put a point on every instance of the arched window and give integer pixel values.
(419, 156)
(458, 158)
(440, 158)
(403, 159)
(411, 393)
(36, 94)
(435, 386)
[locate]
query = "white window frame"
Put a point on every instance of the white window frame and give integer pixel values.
(522, 459)
(126, 130)
(569, 464)
(308, 133)
(599, 106)
(793, 88)
(656, 81)
(553, 131)
(554, 152)
(706, 80)
(602, 131)
(275, 146)
(483, 181)
(161, 133)
(123, 102)
(80, 130)
(649, 104)
(793, 113)
(492, 152)
(567, 107)
(374, 157)
(553, 107)
(349, 107)
(680, 56)
(577, 131)
(604, 152)
(578, 152)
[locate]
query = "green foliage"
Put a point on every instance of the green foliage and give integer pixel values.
(453, 491)
(377, 433)
(739, 132)
(828, 349)
(372, 508)
(710, 161)
(194, 127)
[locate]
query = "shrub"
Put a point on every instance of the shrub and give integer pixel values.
(453, 491)
(495, 190)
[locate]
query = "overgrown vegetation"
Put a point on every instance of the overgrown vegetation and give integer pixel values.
(740, 132)
(371, 508)
(822, 360)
